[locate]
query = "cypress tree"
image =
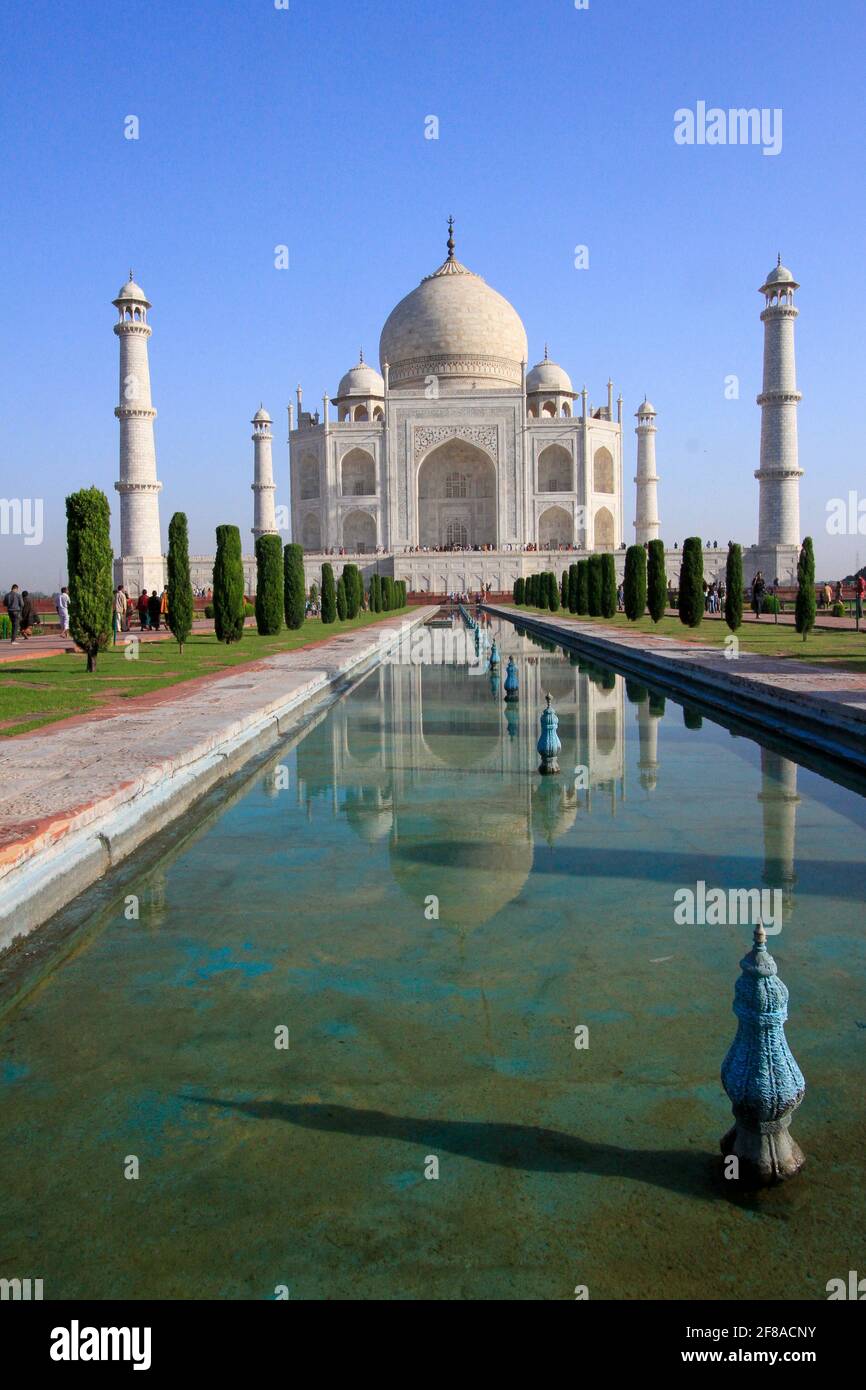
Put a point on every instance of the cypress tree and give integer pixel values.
(89, 562)
(572, 588)
(180, 605)
(269, 585)
(804, 611)
(582, 598)
(608, 586)
(634, 584)
(593, 586)
(563, 589)
(378, 602)
(734, 587)
(527, 591)
(228, 585)
(519, 592)
(329, 594)
(342, 607)
(387, 597)
(691, 605)
(552, 592)
(657, 581)
(350, 576)
(294, 586)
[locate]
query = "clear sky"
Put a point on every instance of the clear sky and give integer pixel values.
(262, 126)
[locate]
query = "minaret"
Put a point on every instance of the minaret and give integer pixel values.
(779, 474)
(140, 565)
(263, 485)
(646, 523)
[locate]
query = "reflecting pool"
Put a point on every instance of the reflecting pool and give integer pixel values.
(369, 959)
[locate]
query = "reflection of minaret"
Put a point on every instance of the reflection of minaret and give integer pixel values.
(779, 800)
(648, 735)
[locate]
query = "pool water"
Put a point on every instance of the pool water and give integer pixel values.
(332, 1028)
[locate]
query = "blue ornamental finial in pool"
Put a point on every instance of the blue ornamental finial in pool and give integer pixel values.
(548, 744)
(512, 691)
(760, 1075)
(494, 654)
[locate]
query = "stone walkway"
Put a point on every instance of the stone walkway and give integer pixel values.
(79, 795)
(823, 706)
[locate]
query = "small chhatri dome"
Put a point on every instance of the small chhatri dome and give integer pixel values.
(455, 327)
(261, 417)
(548, 377)
(780, 275)
(361, 380)
(646, 408)
(132, 291)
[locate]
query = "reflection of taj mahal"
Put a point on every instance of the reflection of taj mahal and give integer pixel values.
(383, 775)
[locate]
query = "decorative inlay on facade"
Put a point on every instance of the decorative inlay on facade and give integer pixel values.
(485, 436)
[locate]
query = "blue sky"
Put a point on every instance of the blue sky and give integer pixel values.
(261, 126)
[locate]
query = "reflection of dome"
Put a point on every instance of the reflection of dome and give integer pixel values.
(370, 813)
(548, 377)
(454, 327)
(554, 808)
(475, 853)
(361, 380)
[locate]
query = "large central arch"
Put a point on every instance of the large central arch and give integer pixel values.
(457, 496)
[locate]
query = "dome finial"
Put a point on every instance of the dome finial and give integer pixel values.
(779, 258)
(546, 356)
(360, 357)
(450, 242)
(131, 276)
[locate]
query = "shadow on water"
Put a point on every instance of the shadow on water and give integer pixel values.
(528, 1148)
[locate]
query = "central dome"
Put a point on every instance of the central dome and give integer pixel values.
(456, 328)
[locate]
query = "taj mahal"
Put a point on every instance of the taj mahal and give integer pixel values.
(456, 466)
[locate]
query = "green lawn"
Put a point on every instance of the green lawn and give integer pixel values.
(845, 649)
(42, 690)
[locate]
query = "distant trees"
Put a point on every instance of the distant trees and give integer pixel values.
(608, 586)
(519, 591)
(228, 585)
(552, 592)
(342, 607)
(582, 587)
(806, 606)
(572, 588)
(635, 583)
(734, 586)
(593, 587)
(89, 565)
(563, 589)
(691, 599)
(269, 585)
(354, 587)
(294, 586)
(657, 581)
(329, 594)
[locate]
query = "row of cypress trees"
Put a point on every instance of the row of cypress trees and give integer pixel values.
(280, 581)
(589, 586)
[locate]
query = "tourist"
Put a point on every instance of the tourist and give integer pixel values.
(861, 593)
(118, 614)
(826, 596)
(143, 615)
(620, 597)
(28, 615)
(837, 597)
(130, 609)
(759, 588)
(14, 604)
(163, 607)
(61, 604)
(153, 606)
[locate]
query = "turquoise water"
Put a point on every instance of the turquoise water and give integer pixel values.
(427, 921)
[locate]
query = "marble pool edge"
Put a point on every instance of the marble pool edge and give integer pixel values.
(831, 728)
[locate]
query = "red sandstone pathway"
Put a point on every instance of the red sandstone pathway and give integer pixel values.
(27, 649)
